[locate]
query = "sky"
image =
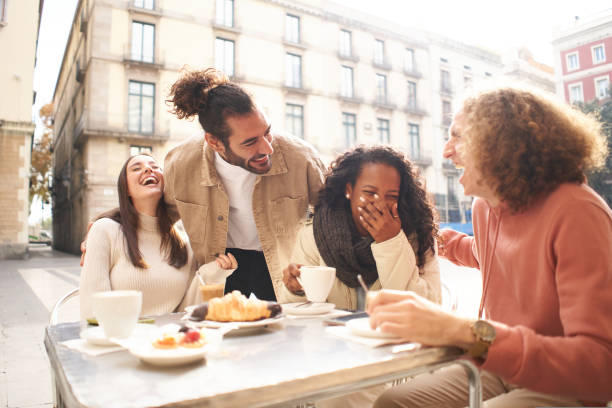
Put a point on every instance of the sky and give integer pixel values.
(497, 25)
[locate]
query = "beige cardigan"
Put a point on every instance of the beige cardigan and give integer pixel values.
(395, 262)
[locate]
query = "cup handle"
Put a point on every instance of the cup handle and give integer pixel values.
(299, 280)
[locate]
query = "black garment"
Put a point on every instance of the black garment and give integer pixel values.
(252, 275)
(341, 246)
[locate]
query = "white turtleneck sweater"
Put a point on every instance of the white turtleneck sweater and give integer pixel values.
(108, 267)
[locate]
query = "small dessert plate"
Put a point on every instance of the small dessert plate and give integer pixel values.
(168, 358)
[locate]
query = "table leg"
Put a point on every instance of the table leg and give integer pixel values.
(475, 386)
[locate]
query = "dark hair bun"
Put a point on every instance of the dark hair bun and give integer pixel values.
(188, 95)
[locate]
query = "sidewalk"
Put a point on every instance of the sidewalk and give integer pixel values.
(28, 290)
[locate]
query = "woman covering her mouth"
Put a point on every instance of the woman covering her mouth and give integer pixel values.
(137, 247)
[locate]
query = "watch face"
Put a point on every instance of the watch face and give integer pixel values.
(485, 330)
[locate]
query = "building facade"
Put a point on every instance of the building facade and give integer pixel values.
(324, 73)
(18, 19)
(583, 58)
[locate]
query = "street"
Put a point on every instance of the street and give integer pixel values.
(30, 288)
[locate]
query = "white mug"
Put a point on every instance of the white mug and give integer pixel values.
(317, 281)
(117, 311)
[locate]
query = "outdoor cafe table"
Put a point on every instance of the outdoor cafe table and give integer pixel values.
(288, 364)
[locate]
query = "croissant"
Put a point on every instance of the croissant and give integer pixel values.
(235, 307)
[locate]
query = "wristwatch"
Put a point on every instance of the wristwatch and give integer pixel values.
(484, 332)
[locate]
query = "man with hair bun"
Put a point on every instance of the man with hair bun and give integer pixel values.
(543, 243)
(239, 188)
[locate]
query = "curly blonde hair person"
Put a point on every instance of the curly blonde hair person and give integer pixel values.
(525, 144)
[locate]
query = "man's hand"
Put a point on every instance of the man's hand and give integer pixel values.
(412, 317)
(378, 220)
(84, 244)
(290, 274)
(226, 261)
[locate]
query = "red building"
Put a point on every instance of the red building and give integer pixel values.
(583, 59)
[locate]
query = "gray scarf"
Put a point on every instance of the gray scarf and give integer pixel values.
(341, 246)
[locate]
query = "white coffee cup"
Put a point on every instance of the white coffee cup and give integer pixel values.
(317, 281)
(117, 311)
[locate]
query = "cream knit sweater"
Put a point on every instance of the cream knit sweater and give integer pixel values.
(108, 267)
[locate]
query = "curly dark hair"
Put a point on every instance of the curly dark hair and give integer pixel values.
(525, 144)
(211, 96)
(414, 208)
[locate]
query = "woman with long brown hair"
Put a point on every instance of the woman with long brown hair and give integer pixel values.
(137, 246)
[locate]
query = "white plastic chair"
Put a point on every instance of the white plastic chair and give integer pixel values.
(54, 317)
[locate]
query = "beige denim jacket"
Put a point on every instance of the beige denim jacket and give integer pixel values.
(194, 193)
(395, 262)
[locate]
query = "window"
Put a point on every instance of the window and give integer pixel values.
(575, 93)
(599, 54)
(409, 65)
(349, 123)
(293, 65)
(346, 46)
(224, 56)
(446, 112)
(415, 141)
(294, 119)
(134, 150)
(379, 52)
(2, 11)
(346, 88)
(145, 4)
(381, 88)
(467, 81)
(602, 87)
(383, 130)
(143, 42)
(454, 215)
(292, 28)
(445, 82)
(141, 111)
(225, 12)
(412, 94)
(572, 61)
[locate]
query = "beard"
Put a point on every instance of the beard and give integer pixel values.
(247, 164)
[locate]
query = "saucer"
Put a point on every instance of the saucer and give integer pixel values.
(96, 336)
(361, 327)
(301, 309)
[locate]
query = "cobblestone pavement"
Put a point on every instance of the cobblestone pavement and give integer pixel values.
(30, 288)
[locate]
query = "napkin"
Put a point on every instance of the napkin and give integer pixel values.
(345, 333)
(85, 347)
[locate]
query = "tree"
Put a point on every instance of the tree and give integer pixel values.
(601, 180)
(40, 168)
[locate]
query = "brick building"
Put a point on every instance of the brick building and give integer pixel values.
(18, 20)
(583, 58)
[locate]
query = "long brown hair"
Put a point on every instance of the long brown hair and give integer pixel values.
(126, 215)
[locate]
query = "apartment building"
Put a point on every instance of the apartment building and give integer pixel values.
(322, 72)
(583, 58)
(18, 19)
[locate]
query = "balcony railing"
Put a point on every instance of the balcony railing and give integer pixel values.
(350, 98)
(156, 10)
(421, 158)
(348, 56)
(384, 103)
(413, 72)
(449, 167)
(155, 61)
(384, 64)
(414, 109)
(446, 89)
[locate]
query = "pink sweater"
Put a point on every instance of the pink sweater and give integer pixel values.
(547, 285)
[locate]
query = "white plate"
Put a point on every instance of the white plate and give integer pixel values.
(238, 325)
(95, 336)
(361, 327)
(299, 308)
(167, 357)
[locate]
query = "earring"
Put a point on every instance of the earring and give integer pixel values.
(347, 196)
